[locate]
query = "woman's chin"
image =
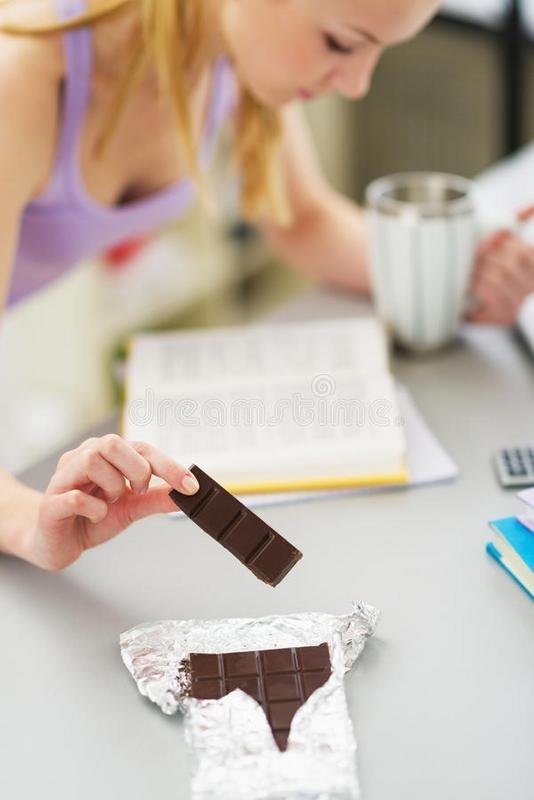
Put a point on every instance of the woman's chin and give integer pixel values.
(267, 98)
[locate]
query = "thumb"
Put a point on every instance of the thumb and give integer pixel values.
(155, 501)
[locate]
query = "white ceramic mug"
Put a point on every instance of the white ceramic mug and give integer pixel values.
(423, 238)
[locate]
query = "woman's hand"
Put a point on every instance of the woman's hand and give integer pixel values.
(88, 500)
(504, 275)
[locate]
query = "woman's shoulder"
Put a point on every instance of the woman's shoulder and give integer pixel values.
(40, 54)
(31, 70)
(35, 57)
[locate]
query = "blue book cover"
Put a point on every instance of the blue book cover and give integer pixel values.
(513, 549)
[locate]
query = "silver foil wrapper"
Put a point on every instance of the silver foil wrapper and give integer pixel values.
(234, 752)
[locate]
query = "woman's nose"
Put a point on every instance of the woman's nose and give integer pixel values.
(352, 80)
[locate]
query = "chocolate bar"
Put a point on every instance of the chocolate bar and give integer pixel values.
(267, 554)
(279, 680)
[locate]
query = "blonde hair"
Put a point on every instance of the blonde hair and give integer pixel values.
(174, 40)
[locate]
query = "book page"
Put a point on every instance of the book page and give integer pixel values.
(177, 359)
(349, 421)
(267, 403)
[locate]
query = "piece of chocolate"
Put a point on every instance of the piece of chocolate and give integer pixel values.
(267, 554)
(279, 680)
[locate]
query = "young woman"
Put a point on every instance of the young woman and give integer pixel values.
(109, 112)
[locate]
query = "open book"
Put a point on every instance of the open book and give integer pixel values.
(269, 408)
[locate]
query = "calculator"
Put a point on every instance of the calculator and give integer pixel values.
(515, 466)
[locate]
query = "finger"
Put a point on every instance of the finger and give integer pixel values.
(493, 293)
(507, 243)
(490, 251)
(508, 263)
(527, 261)
(525, 214)
(114, 449)
(68, 455)
(493, 309)
(493, 242)
(528, 269)
(89, 467)
(513, 249)
(130, 463)
(514, 273)
(176, 475)
(491, 316)
(155, 501)
(493, 313)
(75, 503)
(522, 281)
(137, 461)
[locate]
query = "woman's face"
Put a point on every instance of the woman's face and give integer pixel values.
(288, 49)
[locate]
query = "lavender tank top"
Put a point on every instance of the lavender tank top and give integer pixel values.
(65, 224)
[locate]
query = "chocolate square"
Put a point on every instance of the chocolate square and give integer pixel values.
(314, 657)
(282, 713)
(240, 663)
(209, 689)
(225, 512)
(205, 665)
(311, 681)
(246, 538)
(275, 560)
(277, 660)
(282, 687)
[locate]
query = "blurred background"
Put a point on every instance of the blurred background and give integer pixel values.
(456, 99)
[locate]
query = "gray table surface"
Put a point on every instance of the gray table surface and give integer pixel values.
(442, 698)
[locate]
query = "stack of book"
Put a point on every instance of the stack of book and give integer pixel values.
(513, 543)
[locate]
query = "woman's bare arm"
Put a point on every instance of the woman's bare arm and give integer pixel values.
(28, 103)
(30, 73)
(328, 240)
